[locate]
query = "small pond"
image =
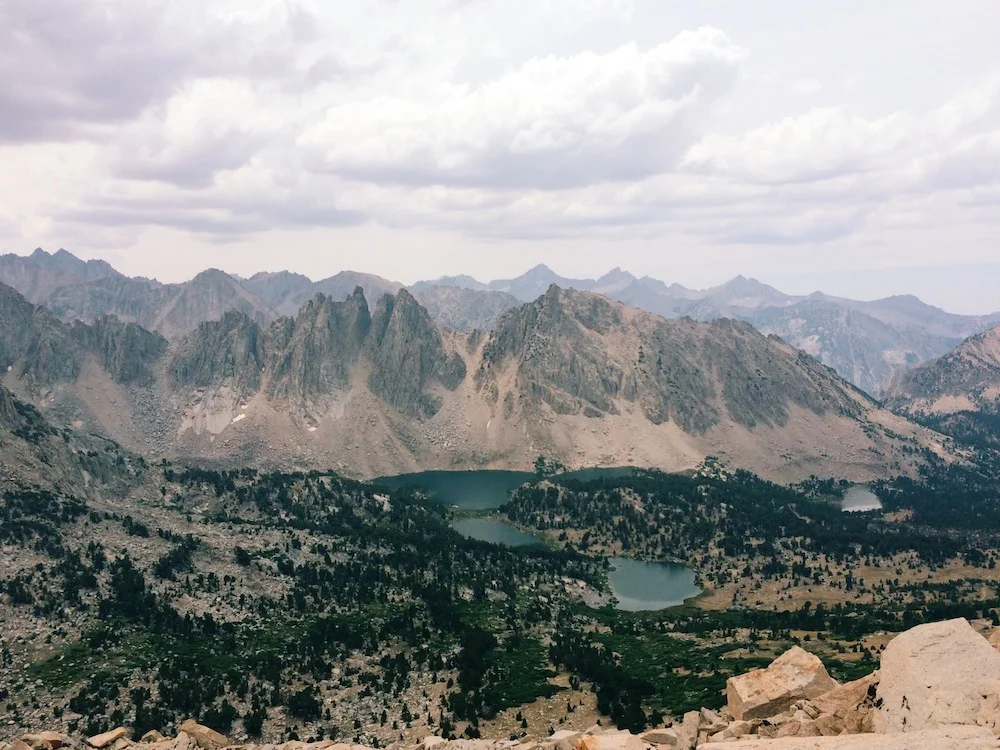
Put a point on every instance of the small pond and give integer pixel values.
(859, 499)
(641, 586)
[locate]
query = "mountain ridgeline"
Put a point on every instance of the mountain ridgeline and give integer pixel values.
(867, 343)
(383, 389)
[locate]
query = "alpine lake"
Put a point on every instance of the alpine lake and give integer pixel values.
(637, 585)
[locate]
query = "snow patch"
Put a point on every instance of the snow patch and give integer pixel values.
(239, 417)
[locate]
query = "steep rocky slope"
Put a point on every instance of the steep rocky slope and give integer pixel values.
(674, 389)
(127, 352)
(34, 344)
(572, 376)
(35, 455)
(965, 379)
(957, 394)
(40, 350)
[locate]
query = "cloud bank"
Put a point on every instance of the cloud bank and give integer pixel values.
(492, 122)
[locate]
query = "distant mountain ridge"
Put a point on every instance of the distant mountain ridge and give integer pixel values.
(868, 343)
(77, 290)
(286, 291)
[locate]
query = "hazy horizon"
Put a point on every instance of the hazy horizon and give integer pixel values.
(789, 284)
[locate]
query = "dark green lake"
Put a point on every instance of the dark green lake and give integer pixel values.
(497, 532)
(468, 490)
(641, 586)
(483, 489)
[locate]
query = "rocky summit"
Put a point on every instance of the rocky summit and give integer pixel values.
(937, 688)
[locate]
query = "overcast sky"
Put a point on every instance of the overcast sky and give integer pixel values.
(852, 147)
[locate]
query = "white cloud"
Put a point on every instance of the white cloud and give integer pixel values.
(72, 69)
(806, 86)
(553, 122)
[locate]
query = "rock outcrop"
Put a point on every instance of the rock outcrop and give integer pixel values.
(938, 675)
(793, 676)
(955, 738)
(407, 354)
(230, 351)
(126, 351)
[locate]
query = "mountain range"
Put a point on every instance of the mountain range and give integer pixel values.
(379, 389)
(867, 343)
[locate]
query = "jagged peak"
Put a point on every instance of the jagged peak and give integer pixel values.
(404, 296)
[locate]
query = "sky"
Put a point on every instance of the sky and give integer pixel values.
(852, 147)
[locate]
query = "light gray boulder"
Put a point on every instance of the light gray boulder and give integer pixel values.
(936, 675)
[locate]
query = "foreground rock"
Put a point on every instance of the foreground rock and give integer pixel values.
(953, 738)
(793, 676)
(937, 675)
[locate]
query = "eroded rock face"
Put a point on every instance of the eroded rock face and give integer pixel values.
(317, 348)
(583, 354)
(407, 354)
(763, 693)
(126, 350)
(936, 675)
(230, 350)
